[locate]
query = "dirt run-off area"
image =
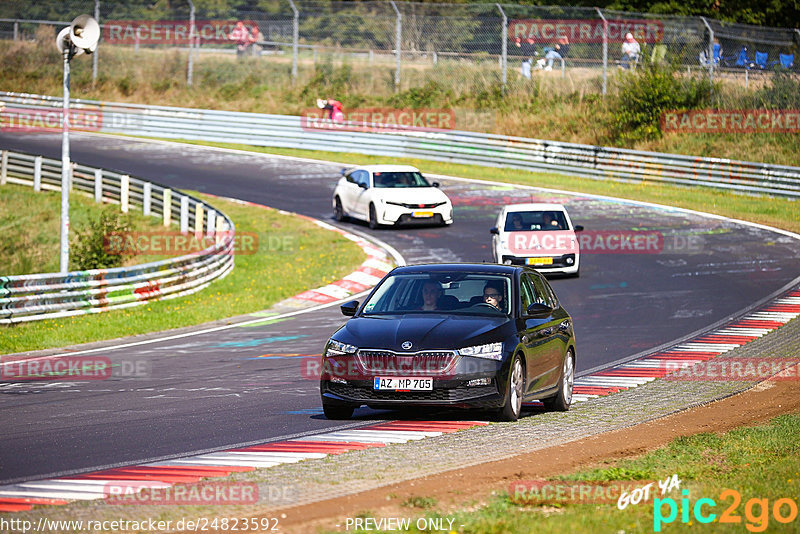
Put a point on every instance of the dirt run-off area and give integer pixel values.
(460, 488)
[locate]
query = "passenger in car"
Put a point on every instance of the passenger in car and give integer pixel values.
(431, 293)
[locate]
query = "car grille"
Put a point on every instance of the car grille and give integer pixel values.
(417, 206)
(458, 394)
(412, 363)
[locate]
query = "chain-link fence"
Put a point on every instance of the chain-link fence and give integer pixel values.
(407, 44)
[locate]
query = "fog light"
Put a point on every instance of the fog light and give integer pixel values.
(338, 380)
(570, 261)
(479, 382)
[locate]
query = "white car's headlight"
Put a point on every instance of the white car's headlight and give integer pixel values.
(492, 351)
(335, 348)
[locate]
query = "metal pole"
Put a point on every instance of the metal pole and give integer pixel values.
(295, 38)
(605, 50)
(190, 67)
(16, 30)
(94, 55)
(504, 41)
(65, 166)
(710, 52)
(398, 37)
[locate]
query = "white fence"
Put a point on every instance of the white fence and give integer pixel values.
(54, 295)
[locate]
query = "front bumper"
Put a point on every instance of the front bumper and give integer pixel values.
(451, 393)
(561, 263)
(391, 214)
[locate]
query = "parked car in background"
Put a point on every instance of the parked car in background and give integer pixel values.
(539, 235)
(480, 336)
(390, 195)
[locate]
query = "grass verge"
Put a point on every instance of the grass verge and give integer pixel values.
(30, 222)
(292, 255)
(752, 472)
(772, 211)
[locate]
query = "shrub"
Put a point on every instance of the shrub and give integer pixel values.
(90, 251)
(644, 95)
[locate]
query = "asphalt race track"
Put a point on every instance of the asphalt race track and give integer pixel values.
(245, 384)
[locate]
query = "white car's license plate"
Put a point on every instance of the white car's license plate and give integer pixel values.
(422, 214)
(402, 384)
(539, 261)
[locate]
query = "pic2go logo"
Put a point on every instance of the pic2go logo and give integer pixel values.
(756, 511)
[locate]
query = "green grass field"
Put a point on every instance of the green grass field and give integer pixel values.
(292, 255)
(752, 472)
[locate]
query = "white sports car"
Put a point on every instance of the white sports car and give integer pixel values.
(539, 235)
(390, 194)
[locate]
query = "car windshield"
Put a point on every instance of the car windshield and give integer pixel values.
(400, 179)
(535, 221)
(456, 293)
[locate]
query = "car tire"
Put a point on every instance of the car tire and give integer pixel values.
(373, 217)
(514, 392)
(561, 401)
(337, 411)
(338, 211)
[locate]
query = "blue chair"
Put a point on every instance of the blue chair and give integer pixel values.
(761, 59)
(787, 61)
(742, 60)
(717, 53)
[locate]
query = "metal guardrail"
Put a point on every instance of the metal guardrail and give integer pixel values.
(474, 148)
(55, 295)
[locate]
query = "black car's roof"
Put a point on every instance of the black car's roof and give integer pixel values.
(492, 268)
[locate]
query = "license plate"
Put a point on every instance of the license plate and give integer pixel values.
(402, 384)
(422, 214)
(539, 261)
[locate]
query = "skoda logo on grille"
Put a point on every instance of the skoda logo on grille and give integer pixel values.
(406, 345)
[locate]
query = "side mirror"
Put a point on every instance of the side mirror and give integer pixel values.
(494, 230)
(538, 310)
(349, 308)
(343, 172)
(362, 185)
(579, 228)
(435, 184)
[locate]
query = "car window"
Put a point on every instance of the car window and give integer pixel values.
(351, 177)
(400, 179)
(551, 295)
(540, 295)
(533, 221)
(456, 293)
(526, 292)
(362, 177)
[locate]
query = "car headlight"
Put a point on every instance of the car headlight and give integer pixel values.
(492, 351)
(336, 348)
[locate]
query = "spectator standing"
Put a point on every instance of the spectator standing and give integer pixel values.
(255, 39)
(630, 51)
(241, 36)
(560, 51)
(526, 48)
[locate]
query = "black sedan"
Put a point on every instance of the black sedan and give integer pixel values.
(479, 336)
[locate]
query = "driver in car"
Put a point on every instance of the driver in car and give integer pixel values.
(493, 294)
